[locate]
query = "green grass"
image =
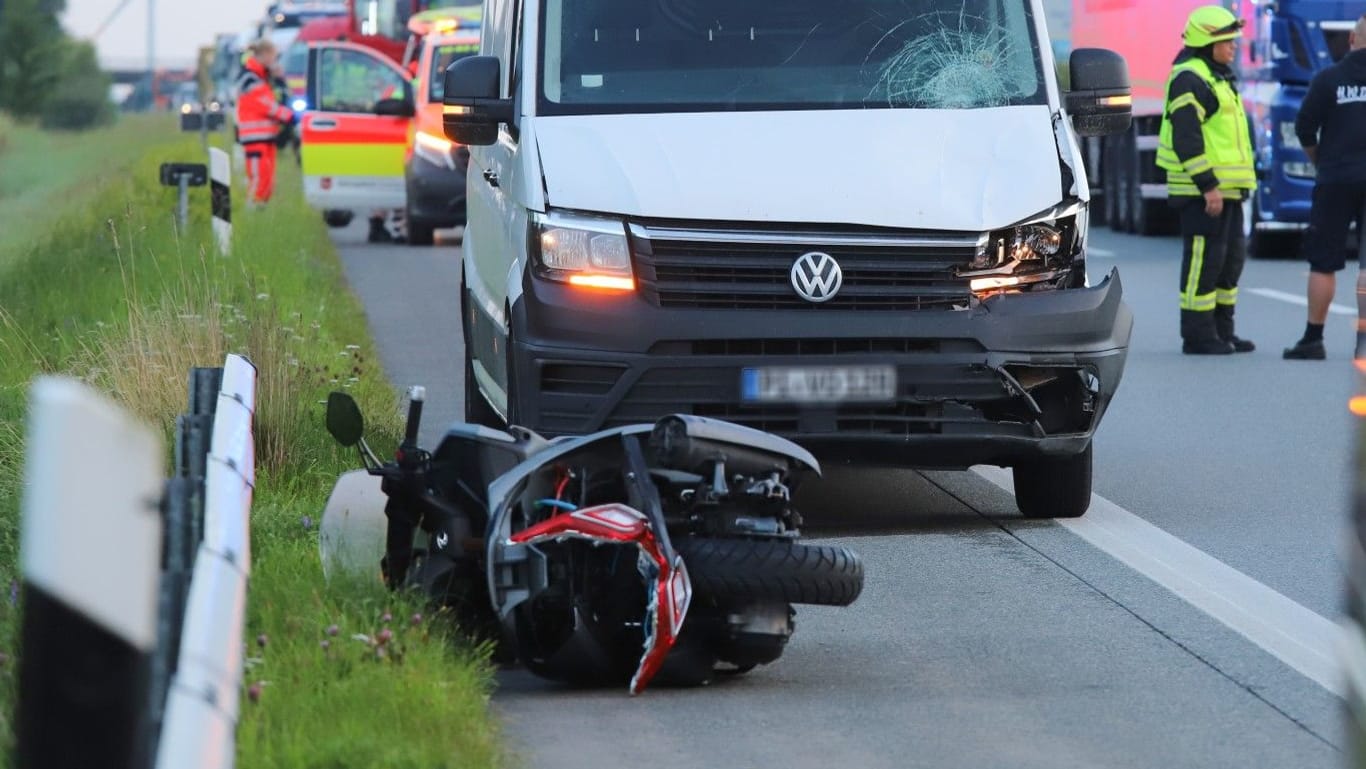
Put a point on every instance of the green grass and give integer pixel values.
(44, 174)
(110, 292)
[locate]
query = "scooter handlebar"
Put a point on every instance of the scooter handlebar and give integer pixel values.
(416, 395)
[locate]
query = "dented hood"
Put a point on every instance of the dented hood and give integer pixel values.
(935, 169)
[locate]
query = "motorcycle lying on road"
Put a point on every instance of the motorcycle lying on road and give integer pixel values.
(585, 555)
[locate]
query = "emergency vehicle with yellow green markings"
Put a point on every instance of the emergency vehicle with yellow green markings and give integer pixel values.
(372, 137)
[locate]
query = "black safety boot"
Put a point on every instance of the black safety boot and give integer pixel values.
(1198, 336)
(1223, 325)
(1207, 347)
(1305, 350)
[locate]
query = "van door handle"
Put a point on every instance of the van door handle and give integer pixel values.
(491, 177)
(322, 124)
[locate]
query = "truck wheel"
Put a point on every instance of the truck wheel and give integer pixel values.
(1108, 171)
(1250, 235)
(753, 570)
(1054, 487)
(1150, 216)
(1133, 184)
(1147, 216)
(1266, 245)
(1093, 152)
(1153, 217)
(420, 234)
(1143, 215)
(337, 217)
(1123, 218)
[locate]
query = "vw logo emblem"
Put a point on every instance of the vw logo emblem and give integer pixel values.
(817, 277)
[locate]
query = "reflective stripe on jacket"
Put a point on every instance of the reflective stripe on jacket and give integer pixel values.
(1223, 158)
(259, 115)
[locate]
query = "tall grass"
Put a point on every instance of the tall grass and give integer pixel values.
(115, 294)
(44, 176)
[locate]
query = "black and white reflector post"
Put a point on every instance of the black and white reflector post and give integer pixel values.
(220, 186)
(91, 550)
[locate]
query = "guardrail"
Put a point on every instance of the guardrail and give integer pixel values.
(135, 584)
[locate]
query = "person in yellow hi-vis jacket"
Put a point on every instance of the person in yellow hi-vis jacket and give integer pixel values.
(1206, 150)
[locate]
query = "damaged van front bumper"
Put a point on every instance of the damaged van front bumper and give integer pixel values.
(1015, 377)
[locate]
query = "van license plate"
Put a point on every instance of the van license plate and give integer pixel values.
(824, 384)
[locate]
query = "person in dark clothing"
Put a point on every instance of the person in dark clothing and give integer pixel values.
(1206, 150)
(1332, 129)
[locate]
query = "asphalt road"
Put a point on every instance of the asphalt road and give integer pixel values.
(982, 639)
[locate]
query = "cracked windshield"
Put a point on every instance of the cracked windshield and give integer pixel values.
(628, 55)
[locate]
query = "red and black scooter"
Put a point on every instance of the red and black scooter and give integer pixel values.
(662, 552)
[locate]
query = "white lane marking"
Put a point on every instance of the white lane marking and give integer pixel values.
(1299, 637)
(1286, 296)
(1103, 253)
(1353, 654)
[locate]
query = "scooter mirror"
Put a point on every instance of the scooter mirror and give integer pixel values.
(344, 420)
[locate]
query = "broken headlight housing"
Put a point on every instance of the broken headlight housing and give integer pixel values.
(1041, 253)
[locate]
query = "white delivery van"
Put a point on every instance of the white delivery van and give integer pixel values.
(860, 224)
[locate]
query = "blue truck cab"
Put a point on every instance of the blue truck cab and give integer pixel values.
(1292, 40)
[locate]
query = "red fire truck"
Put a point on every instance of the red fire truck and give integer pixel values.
(383, 24)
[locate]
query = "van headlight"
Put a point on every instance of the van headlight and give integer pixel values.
(1040, 253)
(584, 251)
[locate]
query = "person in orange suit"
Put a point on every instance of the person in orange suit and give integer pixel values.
(259, 120)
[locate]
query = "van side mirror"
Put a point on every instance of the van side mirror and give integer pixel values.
(473, 84)
(1100, 101)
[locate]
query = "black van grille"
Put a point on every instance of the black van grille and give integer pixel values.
(748, 269)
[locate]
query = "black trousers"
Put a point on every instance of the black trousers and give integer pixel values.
(1213, 252)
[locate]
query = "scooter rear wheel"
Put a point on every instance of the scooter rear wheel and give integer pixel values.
(754, 570)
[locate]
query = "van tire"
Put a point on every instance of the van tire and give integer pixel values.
(477, 409)
(514, 414)
(1054, 487)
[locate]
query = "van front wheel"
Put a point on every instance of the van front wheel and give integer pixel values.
(1054, 487)
(477, 410)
